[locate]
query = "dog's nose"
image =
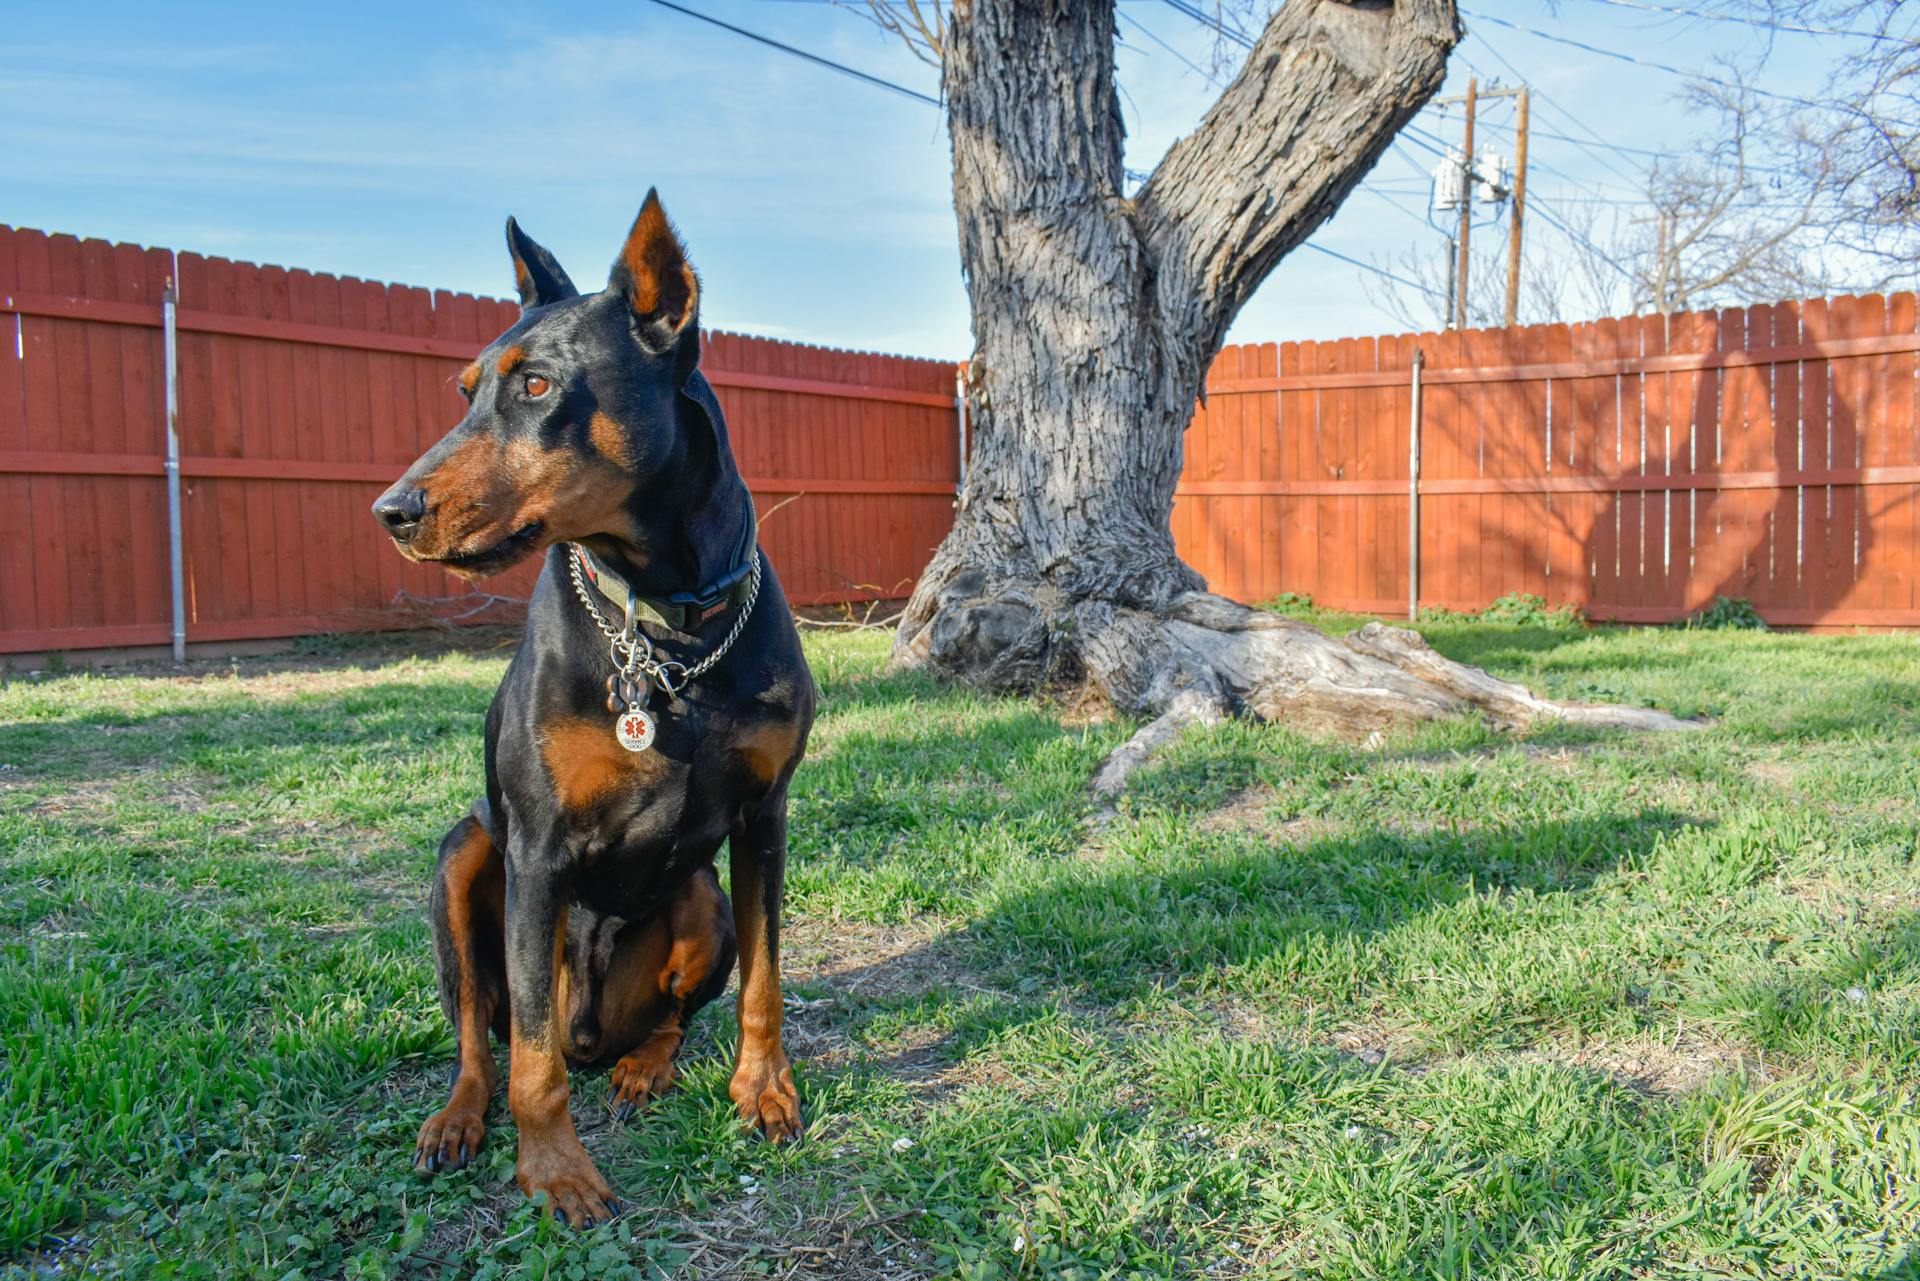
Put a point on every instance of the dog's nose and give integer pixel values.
(400, 511)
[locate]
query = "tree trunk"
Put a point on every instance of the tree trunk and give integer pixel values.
(1095, 317)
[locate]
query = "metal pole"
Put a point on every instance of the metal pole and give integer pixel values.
(960, 423)
(1519, 211)
(1453, 271)
(1466, 208)
(173, 475)
(1413, 495)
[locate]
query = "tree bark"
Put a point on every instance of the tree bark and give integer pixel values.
(1095, 317)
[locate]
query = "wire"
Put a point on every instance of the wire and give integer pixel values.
(1639, 62)
(814, 58)
(1148, 33)
(1206, 20)
(1537, 202)
(1367, 266)
(916, 95)
(1587, 147)
(1767, 24)
(1376, 192)
(1543, 209)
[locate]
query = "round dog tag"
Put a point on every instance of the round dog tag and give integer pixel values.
(635, 729)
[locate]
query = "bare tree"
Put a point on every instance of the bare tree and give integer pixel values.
(1095, 316)
(1562, 277)
(1858, 143)
(1721, 231)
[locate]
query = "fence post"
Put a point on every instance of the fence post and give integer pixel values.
(1413, 495)
(960, 425)
(172, 357)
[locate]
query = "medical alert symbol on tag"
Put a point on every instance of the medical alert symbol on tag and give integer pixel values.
(635, 729)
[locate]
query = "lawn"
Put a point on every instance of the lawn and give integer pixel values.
(1569, 1005)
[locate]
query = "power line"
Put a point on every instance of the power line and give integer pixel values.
(814, 58)
(1546, 211)
(1208, 20)
(1764, 23)
(1148, 33)
(1640, 62)
(1377, 192)
(1561, 109)
(1536, 200)
(915, 94)
(1428, 290)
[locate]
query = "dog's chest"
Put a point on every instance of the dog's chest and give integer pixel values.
(682, 795)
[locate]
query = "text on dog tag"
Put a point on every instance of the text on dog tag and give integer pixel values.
(635, 729)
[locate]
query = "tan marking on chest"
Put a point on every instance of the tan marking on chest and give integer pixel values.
(588, 766)
(766, 748)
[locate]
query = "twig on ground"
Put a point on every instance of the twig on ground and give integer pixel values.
(428, 608)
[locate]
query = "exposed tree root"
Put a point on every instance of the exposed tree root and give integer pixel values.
(1202, 658)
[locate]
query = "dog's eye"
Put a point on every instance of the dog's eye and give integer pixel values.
(537, 386)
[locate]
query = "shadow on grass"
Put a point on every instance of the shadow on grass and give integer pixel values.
(245, 731)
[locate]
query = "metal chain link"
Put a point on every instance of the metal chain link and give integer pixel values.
(632, 652)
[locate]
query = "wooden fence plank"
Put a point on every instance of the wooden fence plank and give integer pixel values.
(1896, 516)
(1840, 564)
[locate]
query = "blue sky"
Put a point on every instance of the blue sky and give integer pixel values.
(390, 142)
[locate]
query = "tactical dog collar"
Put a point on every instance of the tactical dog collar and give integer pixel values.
(682, 611)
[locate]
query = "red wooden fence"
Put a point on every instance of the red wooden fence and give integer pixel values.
(302, 396)
(1637, 468)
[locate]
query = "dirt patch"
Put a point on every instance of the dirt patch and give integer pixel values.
(1252, 811)
(855, 957)
(1660, 1068)
(819, 1227)
(1646, 1065)
(90, 799)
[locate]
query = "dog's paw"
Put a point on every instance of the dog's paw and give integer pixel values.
(639, 1078)
(575, 1191)
(450, 1138)
(763, 1091)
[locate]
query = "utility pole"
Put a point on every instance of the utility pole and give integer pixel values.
(1457, 183)
(1519, 209)
(1466, 213)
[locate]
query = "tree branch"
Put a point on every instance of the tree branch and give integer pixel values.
(1325, 89)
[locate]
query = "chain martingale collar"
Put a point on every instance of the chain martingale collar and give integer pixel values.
(637, 669)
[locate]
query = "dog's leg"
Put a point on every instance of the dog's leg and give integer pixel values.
(663, 972)
(552, 1159)
(465, 907)
(762, 1086)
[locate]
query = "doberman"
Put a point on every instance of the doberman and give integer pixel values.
(656, 708)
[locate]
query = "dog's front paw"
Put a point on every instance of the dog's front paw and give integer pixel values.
(563, 1170)
(450, 1138)
(763, 1091)
(640, 1077)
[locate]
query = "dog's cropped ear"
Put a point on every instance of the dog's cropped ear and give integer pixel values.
(654, 277)
(536, 272)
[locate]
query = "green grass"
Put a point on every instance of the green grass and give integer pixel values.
(1572, 1005)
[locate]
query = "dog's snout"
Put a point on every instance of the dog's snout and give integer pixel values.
(400, 511)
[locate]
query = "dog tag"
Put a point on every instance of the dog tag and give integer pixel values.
(635, 729)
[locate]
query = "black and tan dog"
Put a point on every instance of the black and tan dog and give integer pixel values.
(656, 708)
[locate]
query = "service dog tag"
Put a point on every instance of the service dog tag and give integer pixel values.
(635, 729)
